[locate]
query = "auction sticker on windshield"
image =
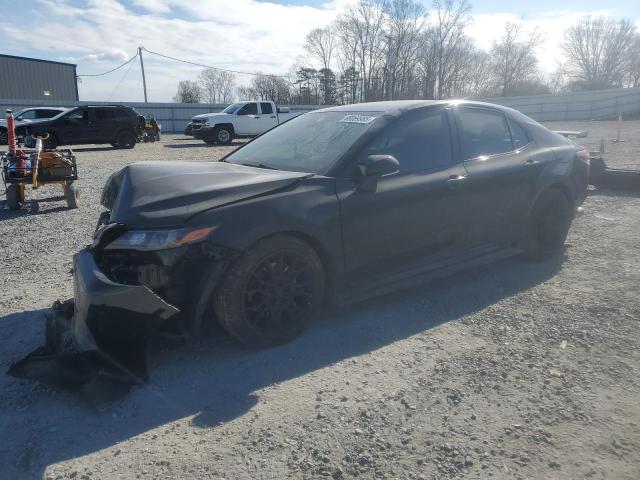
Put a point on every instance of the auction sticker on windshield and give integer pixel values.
(363, 119)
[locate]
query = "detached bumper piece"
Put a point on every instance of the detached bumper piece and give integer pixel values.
(601, 176)
(103, 332)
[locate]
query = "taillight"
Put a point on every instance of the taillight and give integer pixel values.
(583, 155)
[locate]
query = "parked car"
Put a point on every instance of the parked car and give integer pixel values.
(28, 115)
(242, 119)
(336, 205)
(113, 124)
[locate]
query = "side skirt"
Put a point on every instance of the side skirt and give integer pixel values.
(422, 274)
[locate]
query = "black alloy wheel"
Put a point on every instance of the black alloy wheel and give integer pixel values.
(272, 292)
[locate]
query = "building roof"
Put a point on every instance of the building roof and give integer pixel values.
(37, 60)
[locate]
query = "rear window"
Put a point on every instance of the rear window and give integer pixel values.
(518, 134)
(484, 132)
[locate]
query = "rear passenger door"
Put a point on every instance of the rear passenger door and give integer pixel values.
(103, 124)
(501, 174)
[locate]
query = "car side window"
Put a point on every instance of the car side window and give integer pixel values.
(78, 116)
(266, 108)
(104, 114)
(249, 109)
(420, 141)
(518, 134)
(46, 113)
(28, 115)
(484, 132)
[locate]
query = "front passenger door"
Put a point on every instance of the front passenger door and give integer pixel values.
(410, 220)
(73, 127)
(248, 120)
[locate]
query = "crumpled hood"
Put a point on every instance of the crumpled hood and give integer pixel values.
(165, 194)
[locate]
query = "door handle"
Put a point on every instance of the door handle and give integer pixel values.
(257, 117)
(273, 116)
(531, 161)
(454, 180)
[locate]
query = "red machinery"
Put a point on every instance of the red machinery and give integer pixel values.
(37, 167)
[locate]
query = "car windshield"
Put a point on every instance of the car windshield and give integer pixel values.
(308, 143)
(232, 108)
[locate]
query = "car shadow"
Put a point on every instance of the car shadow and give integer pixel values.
(95, 149)
(30, 208)
(216, 380)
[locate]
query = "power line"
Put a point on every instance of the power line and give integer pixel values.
(110, 71)
(120, 82)
(211, 66)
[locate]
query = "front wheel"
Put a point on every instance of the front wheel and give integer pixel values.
(15, 196)
(548, 225)
(272, 292)
(223, 135)
(126, 140)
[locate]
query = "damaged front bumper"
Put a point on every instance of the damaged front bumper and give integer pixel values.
(114, 319)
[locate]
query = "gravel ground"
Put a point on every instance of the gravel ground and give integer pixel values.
(514, 370)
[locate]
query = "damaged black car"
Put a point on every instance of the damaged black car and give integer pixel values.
(334, 206)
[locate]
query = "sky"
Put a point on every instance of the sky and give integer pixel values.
(245, 35)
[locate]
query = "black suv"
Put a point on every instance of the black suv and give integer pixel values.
(113, 124)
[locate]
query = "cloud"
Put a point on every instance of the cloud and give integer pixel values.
(246, 35)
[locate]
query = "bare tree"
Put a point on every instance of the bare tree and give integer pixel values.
(188, 92)
(514, 58)
(598, 51)
(405, 19)
(320, 44)
(361, 29)
(451, 18)
(634, 63)
(216, 85)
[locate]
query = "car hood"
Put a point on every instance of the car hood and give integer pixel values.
(166, 194)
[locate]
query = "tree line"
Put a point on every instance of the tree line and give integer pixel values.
(396, 49)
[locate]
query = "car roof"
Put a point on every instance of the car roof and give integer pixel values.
(399, 107)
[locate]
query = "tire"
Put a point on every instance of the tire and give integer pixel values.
(71, 194)
(255, 303)
(50, 143)
(4, 136)
(15, 196)
(125, 139)
(223, 135)
(548, 225)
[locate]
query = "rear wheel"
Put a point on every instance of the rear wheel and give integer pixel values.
(71, 194)
(272, 292)
(15, 196)
(548, 225)
(223, 135)
(125, 140)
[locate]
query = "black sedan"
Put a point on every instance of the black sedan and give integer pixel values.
(334, 206)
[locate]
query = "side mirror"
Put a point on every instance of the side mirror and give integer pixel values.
(373, 168)
(379, 166)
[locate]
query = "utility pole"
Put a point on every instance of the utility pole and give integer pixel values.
(144, 80)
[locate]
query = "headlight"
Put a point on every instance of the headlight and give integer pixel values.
(159, 239)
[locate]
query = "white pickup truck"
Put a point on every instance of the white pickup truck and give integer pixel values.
(242, 119)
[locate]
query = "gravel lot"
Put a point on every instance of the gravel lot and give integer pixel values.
(515, 370)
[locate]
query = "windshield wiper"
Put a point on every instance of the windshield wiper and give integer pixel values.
(259, 165)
